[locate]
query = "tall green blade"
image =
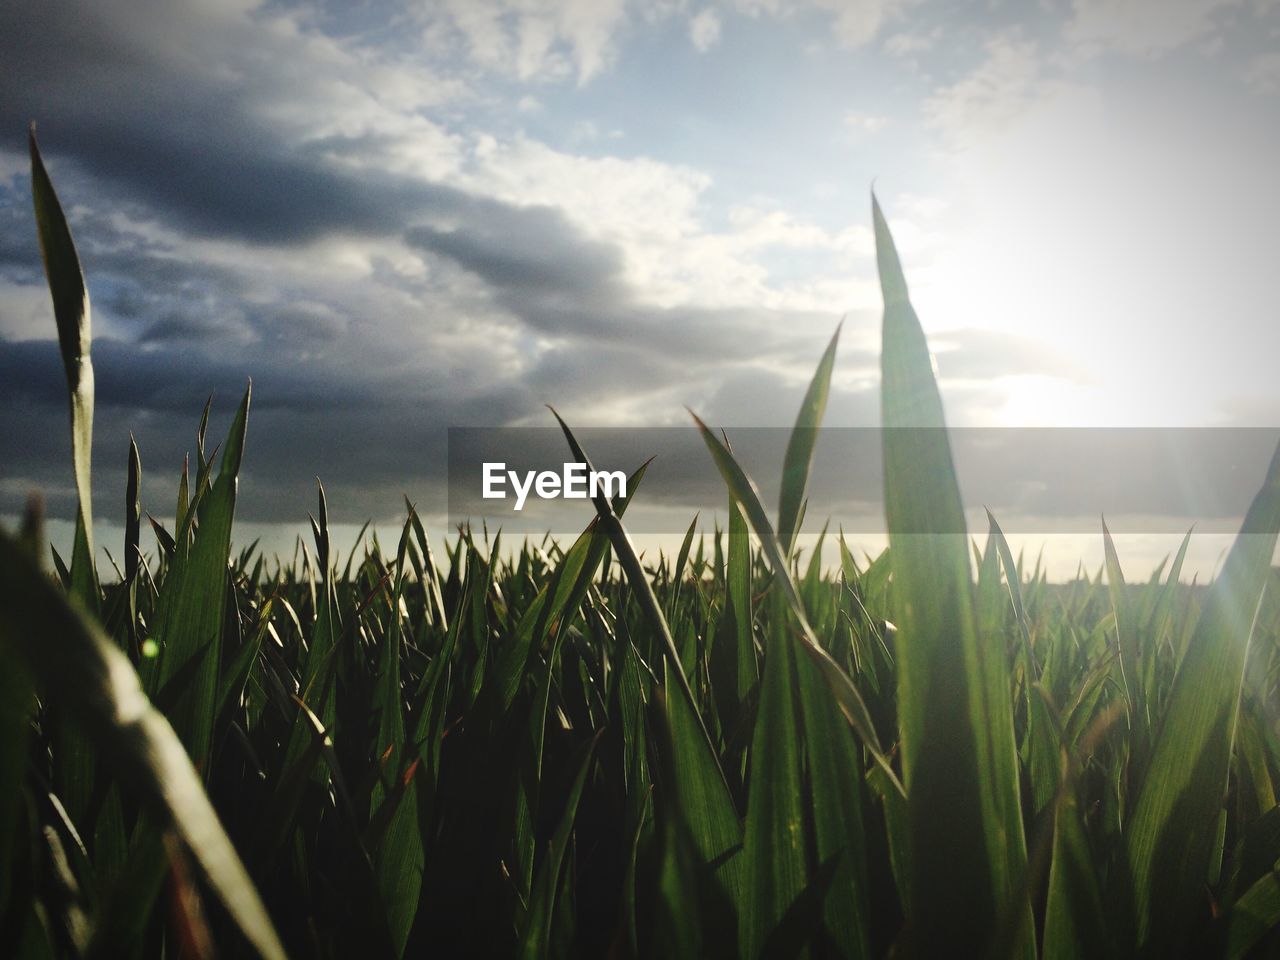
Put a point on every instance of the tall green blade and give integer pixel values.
(314, 688)
(73, 764)
(562, 593)
(537, 930)
(1172, 831)
(133, 512)
(88, 675)
(1253, 916)
(747, 499)
(398, 863)
(1073, 925)
(626, 553)
(967, 849)
(190, 609)
(71, 313)
(836, 792)
(774, 836)
(738, 584)
(799, 456)
(704, 798)
(1126, 638)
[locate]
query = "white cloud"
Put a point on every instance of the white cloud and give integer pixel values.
(1262, 74)
(994, 94)
(908, 43)
(534, 39)
(27, 313)
(550, 40)
(12, 166)
(853, 22)
(704, 30)
(1143, 28)
(857, 22)
(921, 207)
(654, 213)
(865, 123)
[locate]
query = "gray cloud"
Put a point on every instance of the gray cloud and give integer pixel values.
(214, 131)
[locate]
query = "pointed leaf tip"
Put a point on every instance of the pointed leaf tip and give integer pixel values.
(893, 284)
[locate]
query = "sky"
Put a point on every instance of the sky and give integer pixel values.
(403, 217)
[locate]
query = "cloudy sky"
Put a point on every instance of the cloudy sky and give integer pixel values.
(399, 217)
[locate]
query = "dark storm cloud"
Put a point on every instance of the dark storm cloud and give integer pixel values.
(542, 269)
(603, 371)
(758, 397)
(533, 249)
(166, 380)
(370, 446)
(196, 152)
(195, 121)
(171, 132)
(19, 252)
(185, 328)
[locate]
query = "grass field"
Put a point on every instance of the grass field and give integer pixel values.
(565, 749)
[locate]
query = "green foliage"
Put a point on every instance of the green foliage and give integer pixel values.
(540, 752)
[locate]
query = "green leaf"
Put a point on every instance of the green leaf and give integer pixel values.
(1073, 926)
(799, 455)
(967, 849)
(89, 676)
(1171, 833)
(626, 552)
(677, 574)
(836, 801)
(132, 512)
(399, 860)
(1014, 581)
(71, 313)
(1253, 916)
(73, 773)
(774, 836)
(704, 799)
(1127, 641)
(535, 936)
(738, 583)
(747, 497)
(316, 684)
(697, 821)
(190, 609)
(562, 594)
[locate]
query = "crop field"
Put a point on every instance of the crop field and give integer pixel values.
(566, 749)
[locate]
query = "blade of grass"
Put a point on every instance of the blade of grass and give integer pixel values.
(537, 931)
(190, 610)
(774, 837)
(836, 800)
(563, 592)
(747, 498)
(399, 859)
(1171, 834)
(799, 455)
(967, 848)
(87, 673)
(71, 314)
(1253, 916)
(625, 550)
(74, 767)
